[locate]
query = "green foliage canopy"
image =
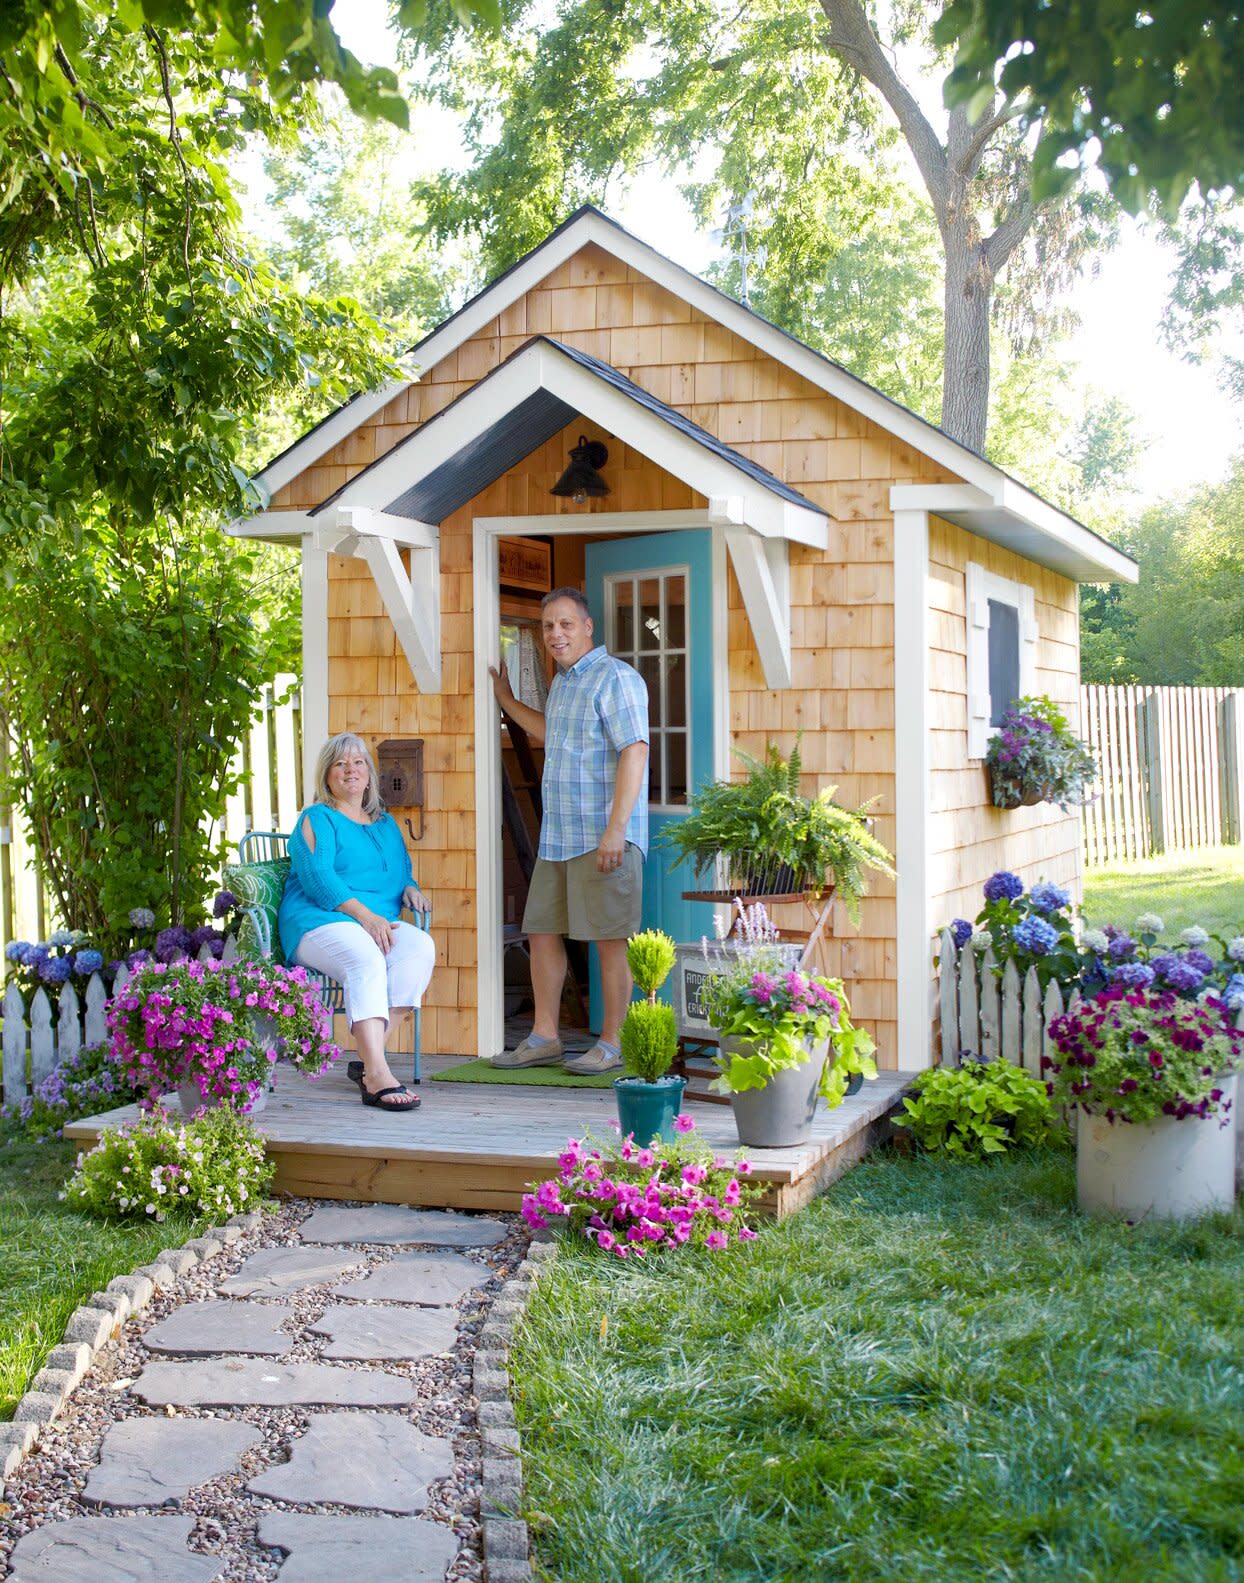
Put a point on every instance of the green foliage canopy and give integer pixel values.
(1157, 87)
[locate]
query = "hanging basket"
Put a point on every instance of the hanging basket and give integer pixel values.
(1024, 794)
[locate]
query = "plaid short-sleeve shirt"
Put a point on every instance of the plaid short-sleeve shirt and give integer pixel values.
(595, 708)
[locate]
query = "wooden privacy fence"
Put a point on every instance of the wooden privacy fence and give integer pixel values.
(1172, 775)
(994, 1017)
(35, 1039)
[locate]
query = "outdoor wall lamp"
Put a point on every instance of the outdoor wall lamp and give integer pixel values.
(582, 478)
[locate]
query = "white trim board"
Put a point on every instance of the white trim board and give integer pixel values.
(1016, 511)
(980, 587)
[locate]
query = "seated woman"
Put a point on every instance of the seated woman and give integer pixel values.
(350, 878)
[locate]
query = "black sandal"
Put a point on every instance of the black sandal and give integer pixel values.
(382, 1094)
(354, 1071)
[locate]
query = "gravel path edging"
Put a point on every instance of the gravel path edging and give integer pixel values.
(506, 1540)
(97, 1322)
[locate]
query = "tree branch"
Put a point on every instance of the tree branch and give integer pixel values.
(1009, 233)
(851, 37)
(966, 160)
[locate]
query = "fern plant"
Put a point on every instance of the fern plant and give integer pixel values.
(774, 840)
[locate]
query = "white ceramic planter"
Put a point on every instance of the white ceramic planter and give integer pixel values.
(1162, 1170)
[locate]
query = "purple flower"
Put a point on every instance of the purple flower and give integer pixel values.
(137, 958)
(55, 969)
(224, 904)
(1184, 978)
(1003, 886)
(1049, 898)
(172, 943)
(1162, 965)
(1134, 975)
(17, 950)
(1122, 948)
(1199, 960)
(204, 935)
(88, 962)
(1035, 936)
(961, 929)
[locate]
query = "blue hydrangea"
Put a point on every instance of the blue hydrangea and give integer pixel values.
(1122, 947)
(1201, 960)
(961, 929)
(1049, 898)
(1003, 886)
(55, 969)
(61, 937)
(88, 962)
(1184, 978)
(1233, 995)
(17, 950)
(1035, 936)
(142, 917)
(1133, 975)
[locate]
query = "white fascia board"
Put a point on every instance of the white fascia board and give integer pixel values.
(762, 567)
(272, 527)
(424, 451)
(336, 427)
(677, 453)
(1018, 520)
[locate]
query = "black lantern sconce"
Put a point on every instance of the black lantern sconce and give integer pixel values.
(582, 478)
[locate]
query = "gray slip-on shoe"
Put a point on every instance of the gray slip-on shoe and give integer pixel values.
(594, 1062)
(528, 1054)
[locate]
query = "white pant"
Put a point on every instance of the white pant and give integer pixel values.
(372, 981)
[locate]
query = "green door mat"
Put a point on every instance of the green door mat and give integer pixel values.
(532, 1076)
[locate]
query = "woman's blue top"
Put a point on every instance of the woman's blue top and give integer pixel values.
(368, 862)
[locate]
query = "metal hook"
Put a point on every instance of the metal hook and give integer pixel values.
(411, 829)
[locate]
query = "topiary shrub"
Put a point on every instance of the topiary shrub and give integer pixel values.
(649, 1040)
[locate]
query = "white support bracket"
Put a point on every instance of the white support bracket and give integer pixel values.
(762, 567)
(413, 604)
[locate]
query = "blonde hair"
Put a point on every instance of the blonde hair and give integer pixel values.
(337, 747)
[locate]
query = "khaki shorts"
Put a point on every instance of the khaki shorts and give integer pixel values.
(576, 900)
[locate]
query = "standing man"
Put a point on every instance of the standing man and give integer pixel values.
(588, 879)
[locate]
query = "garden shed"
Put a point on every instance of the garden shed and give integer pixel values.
(782, 549)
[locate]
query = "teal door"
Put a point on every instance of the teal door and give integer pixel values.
(650, 599)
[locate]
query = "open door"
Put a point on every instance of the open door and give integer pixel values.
(651, 602)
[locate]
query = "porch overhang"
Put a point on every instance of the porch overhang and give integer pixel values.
(400, 500)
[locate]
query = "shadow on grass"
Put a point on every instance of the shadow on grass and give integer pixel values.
(936, 1371)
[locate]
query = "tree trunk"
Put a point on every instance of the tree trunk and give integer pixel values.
(965, 378)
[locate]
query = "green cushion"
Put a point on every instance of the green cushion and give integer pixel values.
(261, 886)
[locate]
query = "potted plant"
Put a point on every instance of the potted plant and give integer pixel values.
(772, 840)
(210, 1033)
(648, 1098)
(1152, 1078)
(1036, 757)
(777, 1026)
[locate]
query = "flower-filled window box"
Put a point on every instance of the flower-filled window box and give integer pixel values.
(1036, 757)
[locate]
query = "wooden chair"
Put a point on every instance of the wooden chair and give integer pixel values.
(269, 850)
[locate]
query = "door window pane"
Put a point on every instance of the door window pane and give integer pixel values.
(675, 689)
(675, 612)
(676, 766)
(650, 613)
(649, 669)
(624, 618)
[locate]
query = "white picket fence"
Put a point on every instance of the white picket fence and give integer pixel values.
(996, 1017)
(35, 1041)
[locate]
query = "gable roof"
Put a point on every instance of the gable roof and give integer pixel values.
(1076, 550)
(524, 427)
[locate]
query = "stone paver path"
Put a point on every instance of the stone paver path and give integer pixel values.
(330, 1418)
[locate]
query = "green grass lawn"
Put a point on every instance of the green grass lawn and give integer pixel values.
(52, 1257)
(1183, 888)
(935, 1372)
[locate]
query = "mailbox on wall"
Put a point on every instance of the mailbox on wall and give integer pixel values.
(400, 764)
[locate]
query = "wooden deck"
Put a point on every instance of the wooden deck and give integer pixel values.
(478, 1146)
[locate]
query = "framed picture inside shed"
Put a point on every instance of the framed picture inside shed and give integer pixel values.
(526, 564)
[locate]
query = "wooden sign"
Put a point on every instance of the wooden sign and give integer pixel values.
(525, 563)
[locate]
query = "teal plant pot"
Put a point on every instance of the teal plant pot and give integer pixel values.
(647, 1110)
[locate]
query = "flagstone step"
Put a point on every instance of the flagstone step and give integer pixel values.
(275, 1272)
(147, 1461)
(323, 1549)
(247, 1382)
(433, 1280)
(202, 1329)
(373, 1460)
(374, 1334)
(112, 1550)
(395, 1223)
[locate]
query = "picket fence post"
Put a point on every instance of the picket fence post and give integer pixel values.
(14, 1070)
(95, 1025)
(969, 1025)
(68, 1025)
(42, 1041)
(949, 999)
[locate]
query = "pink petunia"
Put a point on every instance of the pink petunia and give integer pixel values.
(684, 1124)
(715, 1240)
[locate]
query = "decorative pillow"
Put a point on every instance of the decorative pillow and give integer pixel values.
(261, 886)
